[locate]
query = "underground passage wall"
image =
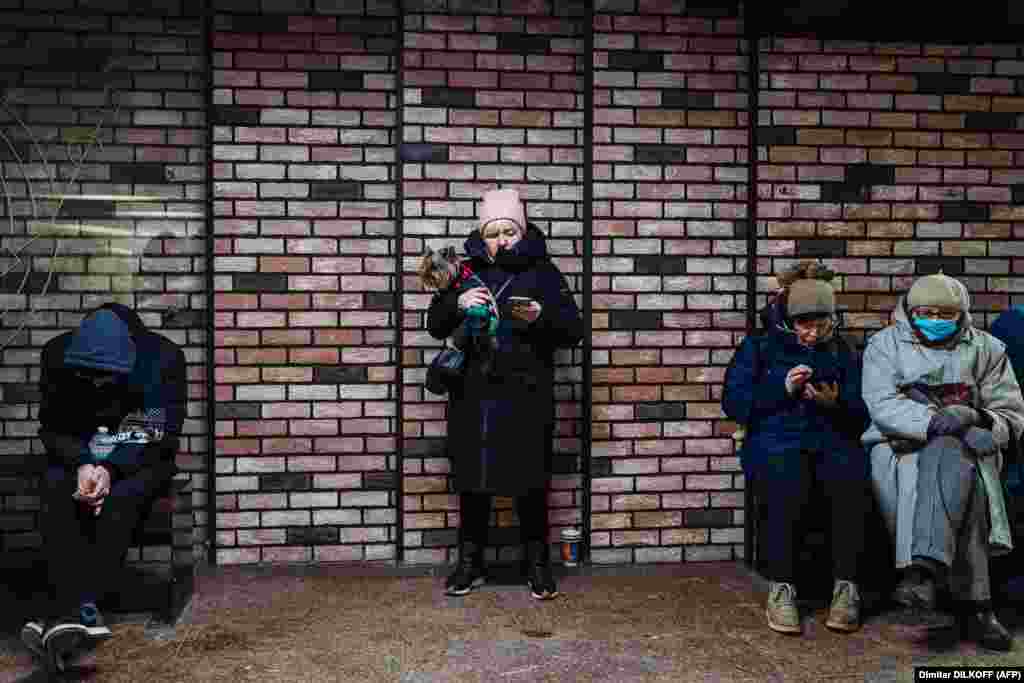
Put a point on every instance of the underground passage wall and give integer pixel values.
(308, 153)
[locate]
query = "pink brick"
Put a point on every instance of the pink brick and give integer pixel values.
(286, 43)
(235, 41)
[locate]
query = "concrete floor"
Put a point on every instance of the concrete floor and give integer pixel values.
(698, 622)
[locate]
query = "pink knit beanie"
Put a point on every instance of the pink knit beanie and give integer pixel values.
(502, 204)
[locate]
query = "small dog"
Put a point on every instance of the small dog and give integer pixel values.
(441, 271)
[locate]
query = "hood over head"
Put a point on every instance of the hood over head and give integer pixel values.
(105, 340)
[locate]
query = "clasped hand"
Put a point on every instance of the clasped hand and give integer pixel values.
(825, 394)
(93, 486)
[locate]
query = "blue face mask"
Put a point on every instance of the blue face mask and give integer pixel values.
(936, 330)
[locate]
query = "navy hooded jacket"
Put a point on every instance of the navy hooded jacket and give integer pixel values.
(779, 424)
(1009, 329)
(150, 379)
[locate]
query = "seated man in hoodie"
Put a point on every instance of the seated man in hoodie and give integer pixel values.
(110, 372)
(944, 403)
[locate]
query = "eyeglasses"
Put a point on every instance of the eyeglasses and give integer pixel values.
(936, 313)
(819, 325)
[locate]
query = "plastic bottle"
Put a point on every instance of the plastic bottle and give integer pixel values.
(101, 444)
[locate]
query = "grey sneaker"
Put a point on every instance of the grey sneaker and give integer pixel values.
(844, 614)
(783, 616)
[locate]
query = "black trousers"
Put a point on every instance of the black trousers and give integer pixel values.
(84, 552)
(786, 488)
(532, 510)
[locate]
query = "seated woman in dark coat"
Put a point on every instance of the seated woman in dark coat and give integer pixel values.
(499, 419)
(796, 388)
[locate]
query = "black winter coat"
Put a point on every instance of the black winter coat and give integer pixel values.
(71, 410)
(499, 421)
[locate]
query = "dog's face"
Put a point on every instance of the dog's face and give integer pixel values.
(438, 267)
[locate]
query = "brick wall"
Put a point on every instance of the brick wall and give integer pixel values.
(888, 161)
(304, 200)
(493, 97)
(102, 155)
(670, 174)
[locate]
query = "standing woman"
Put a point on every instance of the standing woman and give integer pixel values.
(499, 420)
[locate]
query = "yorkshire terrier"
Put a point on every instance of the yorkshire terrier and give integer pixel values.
(443, 271)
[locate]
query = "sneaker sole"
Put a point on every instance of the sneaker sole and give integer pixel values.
(456, 592)
(98, 633)
(782, 628)
(542, 595)
(839, 626)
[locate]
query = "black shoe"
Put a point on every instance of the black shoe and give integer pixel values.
(916, 590)
(32, 635)
(469, 573)
(538, 571)
(984, 628)
(61, 641)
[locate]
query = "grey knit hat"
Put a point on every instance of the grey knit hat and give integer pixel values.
(937, 290)
(810, 297)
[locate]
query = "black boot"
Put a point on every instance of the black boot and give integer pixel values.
(469, 572)
(538, 571)
(980, 625)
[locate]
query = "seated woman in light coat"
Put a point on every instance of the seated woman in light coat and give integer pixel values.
(944, 402)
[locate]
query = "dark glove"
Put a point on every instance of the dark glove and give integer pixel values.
(981, 442)
(944, 424)
(952, 420)
(916, 395)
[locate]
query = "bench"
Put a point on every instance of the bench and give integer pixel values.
(815, 561)
(158, 572)
(159, 565)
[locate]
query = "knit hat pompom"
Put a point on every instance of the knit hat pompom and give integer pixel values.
(805, 270)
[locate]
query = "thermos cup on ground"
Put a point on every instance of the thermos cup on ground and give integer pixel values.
(571, 547)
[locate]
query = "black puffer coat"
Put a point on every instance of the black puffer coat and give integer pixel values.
(499, 421)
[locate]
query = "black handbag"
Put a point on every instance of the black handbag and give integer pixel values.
(445, 371)
(448, 368)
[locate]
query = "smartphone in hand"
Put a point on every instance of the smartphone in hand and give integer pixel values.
(517, 307)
